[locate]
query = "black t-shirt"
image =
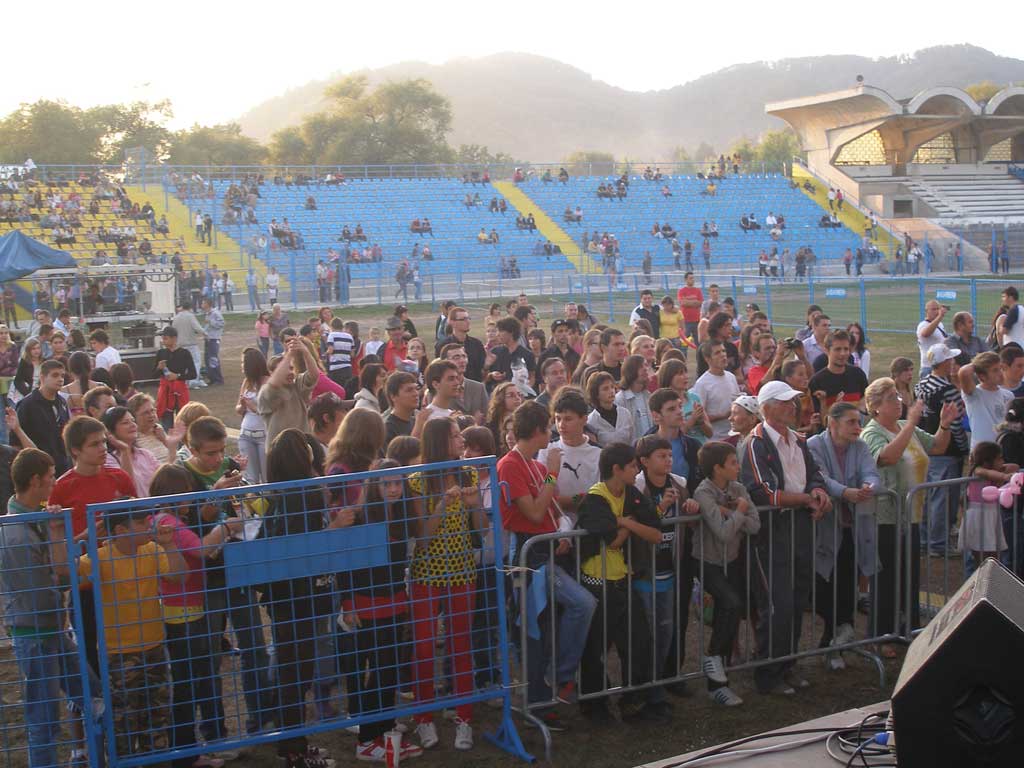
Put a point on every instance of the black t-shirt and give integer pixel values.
(851, 382)
(570, 357)
(394, 426)
(504, 360)
(179, 361)
(474, 351)
(614, 370)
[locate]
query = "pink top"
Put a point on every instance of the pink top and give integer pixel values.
(144, 466)
(263, 330)
(324, 384)
(189, 592)
(974, 489)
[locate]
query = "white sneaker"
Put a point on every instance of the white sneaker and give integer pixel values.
(844, 635)
(714, 669)
(427, 734)
(834, 661)
(463, 735)
(725, 697)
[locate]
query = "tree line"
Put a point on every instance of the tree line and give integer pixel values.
(399, 122)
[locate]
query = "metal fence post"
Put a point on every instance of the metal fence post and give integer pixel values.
(810, 288)
(294, 273)
(863, 307)
(974, 297)
(611, 300)
(920, 296)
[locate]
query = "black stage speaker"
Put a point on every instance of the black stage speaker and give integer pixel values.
(959, 700)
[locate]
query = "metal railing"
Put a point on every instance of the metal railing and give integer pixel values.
(311, 574)
(752, 592)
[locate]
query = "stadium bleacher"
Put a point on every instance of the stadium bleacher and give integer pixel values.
(386, 207)
(631, 220)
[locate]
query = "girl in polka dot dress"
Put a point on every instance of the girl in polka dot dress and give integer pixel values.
(447, 508)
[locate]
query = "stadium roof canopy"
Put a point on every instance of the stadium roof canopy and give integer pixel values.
(828, 122)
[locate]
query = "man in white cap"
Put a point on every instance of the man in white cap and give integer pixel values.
(779, 471)
(936, 389)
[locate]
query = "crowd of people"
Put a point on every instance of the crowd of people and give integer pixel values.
(697, 409)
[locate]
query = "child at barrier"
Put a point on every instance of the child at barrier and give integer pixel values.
(981, 532)
(528, 510)
(355, 447)
(479, 441)
(375, 607)
(443, 570)
(670, 497)
(612, 513)
(295, 605)
(34, 614)
(133, 560)
(727, 515)
(211, 469)
(194, 676)
(88, 482)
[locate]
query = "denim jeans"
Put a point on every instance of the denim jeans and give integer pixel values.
(239, 605)
(213, 371)
(660, 607)
(254, 299)
(195, 683)
(252, 443)
(577, 606)
(48, 665)
(193, 349)
(942, 502)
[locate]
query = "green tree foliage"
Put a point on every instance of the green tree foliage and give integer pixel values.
(479, 154)
(215, 145)
(583, 162)
(982, 91)
(397, 122)
(288, 147)
(127, 126)
(56, 132)
(774, 150)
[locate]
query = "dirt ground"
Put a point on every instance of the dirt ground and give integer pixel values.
(697, 721)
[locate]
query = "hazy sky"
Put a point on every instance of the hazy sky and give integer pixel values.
(216, 59)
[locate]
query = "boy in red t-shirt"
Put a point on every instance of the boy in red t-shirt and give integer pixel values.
(532, 510)
(88, 482)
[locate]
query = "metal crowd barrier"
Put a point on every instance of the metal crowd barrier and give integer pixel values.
(347, 581)
(539, 625)
(938, 569)
(47, 705)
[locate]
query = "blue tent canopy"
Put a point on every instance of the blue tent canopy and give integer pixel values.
(20, 255)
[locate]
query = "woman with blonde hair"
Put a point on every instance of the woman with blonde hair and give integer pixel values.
(901, 450)
(190, 413)
(591, 354)
(151, 433)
